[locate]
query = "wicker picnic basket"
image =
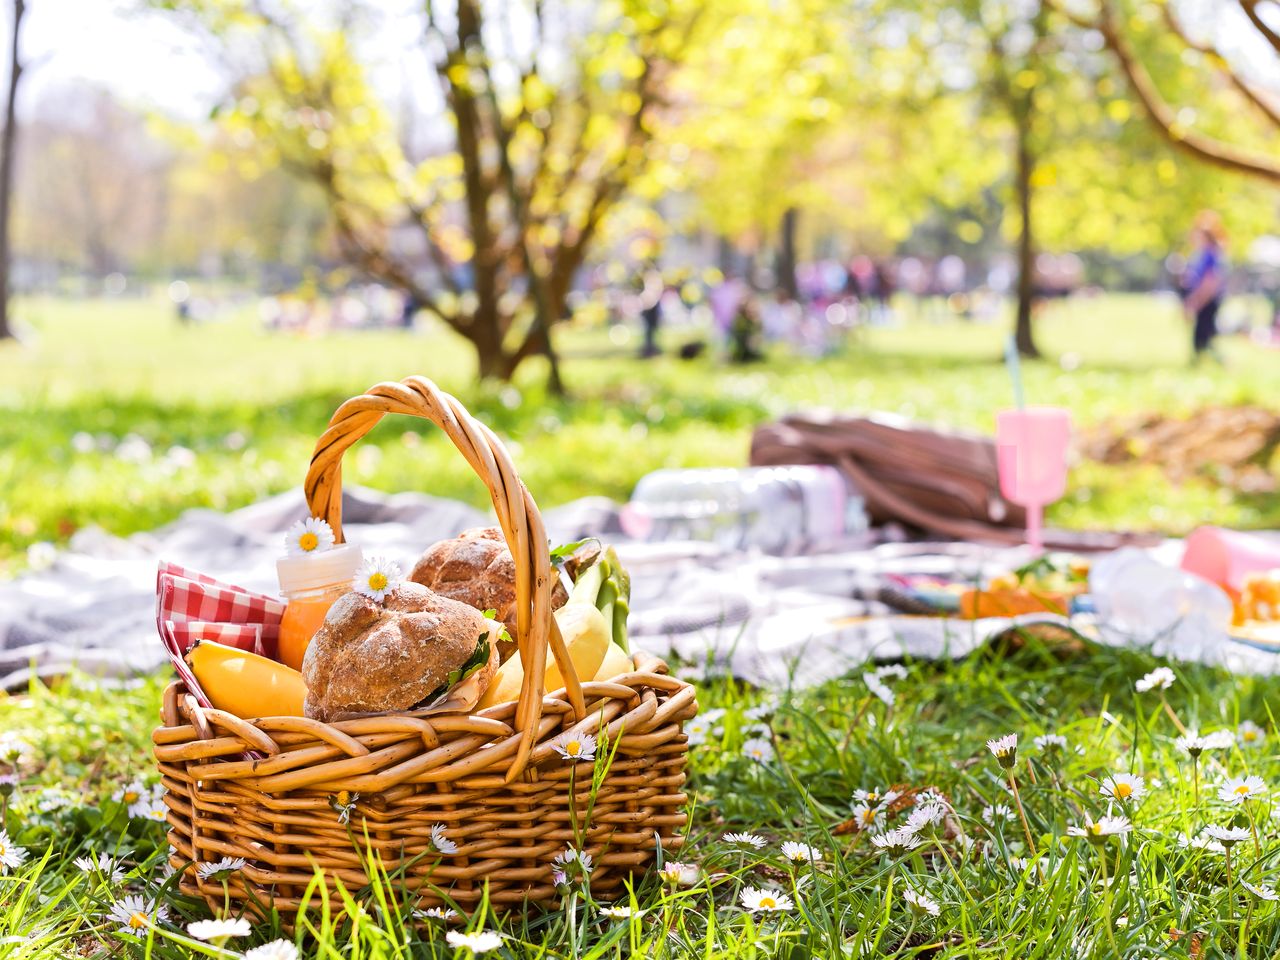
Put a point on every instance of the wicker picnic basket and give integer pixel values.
(291, 795)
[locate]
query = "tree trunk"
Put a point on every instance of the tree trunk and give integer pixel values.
(1025, 167)
(8, 145)
(787, 253)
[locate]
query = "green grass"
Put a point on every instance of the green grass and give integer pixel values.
(993, 900)
(248, 406)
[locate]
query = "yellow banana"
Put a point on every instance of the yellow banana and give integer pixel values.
(616, 662)
(586, 635)
(245, 684)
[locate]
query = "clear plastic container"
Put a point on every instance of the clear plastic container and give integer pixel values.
(777, 510)
(311, 584)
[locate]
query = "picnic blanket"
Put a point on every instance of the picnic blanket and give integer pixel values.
(772, 621)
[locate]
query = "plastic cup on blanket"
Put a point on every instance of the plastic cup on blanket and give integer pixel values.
(1031, 457)
(1226, 557)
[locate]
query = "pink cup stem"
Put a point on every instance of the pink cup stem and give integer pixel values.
(1034, 514)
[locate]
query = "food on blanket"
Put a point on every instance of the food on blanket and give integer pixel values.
(245, 684)
(414, 649)
(311, 582)
(1259, 598)
(476, 567)
(1045, 585)
(591, 622)
(616, 662)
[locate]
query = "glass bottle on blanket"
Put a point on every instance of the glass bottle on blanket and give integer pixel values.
(311, 583)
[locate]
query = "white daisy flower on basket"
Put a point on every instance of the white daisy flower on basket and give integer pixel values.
(208, 871)
(1004, 749)
(1227, 836)
(1261, 891)
(875, 797)
(1161, 678)
(1239, 789)
(1124, 786)
(1102, 829)
(679, 873)
(896, 841)
(135, 796)
(482, 941)
(312, 535)
(219, 930)
(436, 913)
(11, 856)
(881, 689)
(575, 746)
(377, 577)
(1249, 734)
(616, 912)
(1048, 742)
(867, 816)
(275, 950)
(745, 840)
(921, 904)
(440, 841)
(758, 749)
(801, 852)
(765, 900)
(998, 811)
(101, 864)
(134, 915)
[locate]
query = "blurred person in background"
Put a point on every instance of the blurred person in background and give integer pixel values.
(1204, 282)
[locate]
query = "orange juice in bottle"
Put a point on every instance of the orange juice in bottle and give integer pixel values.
(311, 582)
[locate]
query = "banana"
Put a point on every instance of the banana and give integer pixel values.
(586, 634)
(245, 684)
(616, 662)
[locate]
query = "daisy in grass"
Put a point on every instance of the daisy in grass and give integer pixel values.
(1005, 749)
(11, 857)
(219, 868)
(801, 852)
(920, 904)
(14, 750)
(575, 746)
(1219, 740)
(758, 749)
(866, 816)
(745, 840)
(440, 841)
(896, 841)
(157, 809)
(219, 931)
(1193, 744)
(1124, 786)
(926, 815)
(1102, 829)
(1200, 842)
(1227, 836)
(680, 874)
(134, 916)
(616, 912)
(1049, 742)
(876, 798)
(765, 900)
(376, 578)
(436, 913)
(135, 797)
(999, 811)
(101, 864)
(697, 730)
(895, 670)
(1239, 789)
(1161, 678)
(1261, 891)
(482, 941)
(275, 950)
(572, 861)
(762, 711)
(881, 689)
(1249, 734)
(311, 535)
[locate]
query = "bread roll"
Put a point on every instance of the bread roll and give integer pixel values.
(372, 657)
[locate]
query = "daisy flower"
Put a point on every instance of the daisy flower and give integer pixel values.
(440, 841)
(1192, 744)
(697, 730)
(136, 798)
(896, 841)
(879, 688)
(134, 916)
(1227, 836)
(766, 900)
(275, 950)
(864, 814)
(876, 798)
(14, 750)
(744, 839)
(1101, 829)
(1200, 842)
(559, 878)
(219, 930)
(801, 852)
(680, 874)
(11, 857)
(617, 912)
(1261, 891)
(921, 904)
(895, 670)
(575, 746)
(1048, 742)
(1161, 678)
(436, 913)
(1004, 749)
(482, 941)
(758, 749)
(1124, 786)
(207, 871)
(157, 810)
(311, 535)
(993, 812)
(376, 578)
(762, 711)
(574, 864)
(1219, 740)
(1239, 789)
(102, 864)
(928, 814)
(1249, 734)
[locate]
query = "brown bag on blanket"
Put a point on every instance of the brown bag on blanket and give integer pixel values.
(943, 483)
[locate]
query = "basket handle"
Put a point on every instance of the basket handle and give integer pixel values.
(518, 517)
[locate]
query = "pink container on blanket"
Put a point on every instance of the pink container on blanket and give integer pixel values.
(1226, 557)
(1031, 455)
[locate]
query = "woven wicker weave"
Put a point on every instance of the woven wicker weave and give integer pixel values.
(290, 795)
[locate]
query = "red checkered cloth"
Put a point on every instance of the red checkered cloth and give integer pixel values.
(191, 606)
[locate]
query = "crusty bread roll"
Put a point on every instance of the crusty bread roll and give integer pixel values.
(476, 568)
(372, 657)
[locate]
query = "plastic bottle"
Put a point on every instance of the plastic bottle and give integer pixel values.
(778, 510)
(311, 583)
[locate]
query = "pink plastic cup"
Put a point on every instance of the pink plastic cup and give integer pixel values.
(1225, 557)
(1031, 455)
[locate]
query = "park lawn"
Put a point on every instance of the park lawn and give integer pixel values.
(993, 898)
(228, 414)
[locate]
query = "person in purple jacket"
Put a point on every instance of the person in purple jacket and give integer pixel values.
(1205, 281)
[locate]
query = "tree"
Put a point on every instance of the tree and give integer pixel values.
(544, 121)
(8, 153)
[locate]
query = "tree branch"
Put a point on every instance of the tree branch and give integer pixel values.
(1250, 8)
(1206, 48)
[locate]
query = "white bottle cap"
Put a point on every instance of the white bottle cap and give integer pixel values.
(310, 571)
